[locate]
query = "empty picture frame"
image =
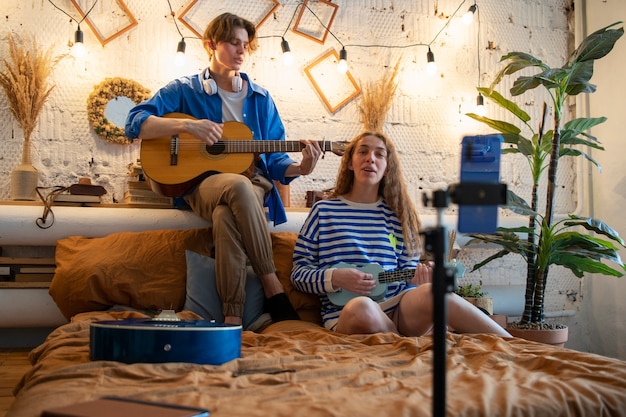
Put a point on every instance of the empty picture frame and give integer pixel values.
(197, 14)
(315, 19)
(334, 88)
(106, 26)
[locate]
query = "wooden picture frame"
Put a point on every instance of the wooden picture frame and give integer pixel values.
(105, 26)
(252, 10)
(335, 89)
(315, 19)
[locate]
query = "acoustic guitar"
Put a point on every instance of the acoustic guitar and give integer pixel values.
(382, 278)
(175, 164)
(155, 340)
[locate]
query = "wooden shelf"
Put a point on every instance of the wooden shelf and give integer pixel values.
(23, 285)
(77, 204)
(26, 261)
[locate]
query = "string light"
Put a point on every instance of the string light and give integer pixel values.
(342, 67)
(480, 105)
(431, 66)
(180, 60)
(480, 100)
(287, 57)
(78, 47)
(468, 17)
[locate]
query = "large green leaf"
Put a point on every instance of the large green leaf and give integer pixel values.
(505, 103)
(594, 225)
(500, 126)
(523, 84)
(597, 45)
(517, 62)
(485, 261)
(518, 205)
(576, 152)
(578, 79)
(582, 124)
(579, 266)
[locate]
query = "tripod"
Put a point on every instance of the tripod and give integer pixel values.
(436, 242)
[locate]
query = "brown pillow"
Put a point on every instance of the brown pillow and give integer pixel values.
(308, 306)
(144, 270)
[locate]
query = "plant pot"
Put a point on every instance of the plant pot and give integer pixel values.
(554, 337)
(24, 180)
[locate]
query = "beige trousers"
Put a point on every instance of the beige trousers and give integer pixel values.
(234, 208)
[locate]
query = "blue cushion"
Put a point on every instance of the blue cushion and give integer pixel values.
(202, 297)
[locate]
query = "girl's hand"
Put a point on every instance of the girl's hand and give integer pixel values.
(423, 273)
(353, 280)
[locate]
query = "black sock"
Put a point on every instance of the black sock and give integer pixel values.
(280, 308)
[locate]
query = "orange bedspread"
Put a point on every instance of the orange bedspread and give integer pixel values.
(333, 375)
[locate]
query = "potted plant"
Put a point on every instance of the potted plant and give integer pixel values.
(475, 294)
(25, 83)
(575, 242)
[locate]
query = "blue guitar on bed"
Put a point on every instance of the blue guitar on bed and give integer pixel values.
(382, 278)
(164, 338)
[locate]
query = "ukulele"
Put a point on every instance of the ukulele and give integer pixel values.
(175, 164)
(382, 278)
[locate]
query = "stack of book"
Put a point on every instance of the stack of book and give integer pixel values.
(139, 192)
(26, 269)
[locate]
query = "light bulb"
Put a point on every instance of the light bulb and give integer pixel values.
(480, 105)
(431, 66)
(180, 59)
(78, 49)
(468, 17)
(287, 57)
(342, 67)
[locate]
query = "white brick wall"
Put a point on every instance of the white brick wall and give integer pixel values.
(426, 119)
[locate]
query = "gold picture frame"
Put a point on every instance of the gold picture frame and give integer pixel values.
(252, 11)
(109, 26)
(315, 19)
(335, 89)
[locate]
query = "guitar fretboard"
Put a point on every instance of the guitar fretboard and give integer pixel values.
(394, 276)
(266, 146)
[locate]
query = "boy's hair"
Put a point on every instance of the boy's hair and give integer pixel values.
(222, 29)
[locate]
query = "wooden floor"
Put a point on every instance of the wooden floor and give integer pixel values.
(13, 364)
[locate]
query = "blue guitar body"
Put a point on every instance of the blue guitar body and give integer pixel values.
(156, 341)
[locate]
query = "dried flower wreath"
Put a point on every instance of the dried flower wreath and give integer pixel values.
(107, 90)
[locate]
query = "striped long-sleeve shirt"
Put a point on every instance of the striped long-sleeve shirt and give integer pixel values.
(338, 230)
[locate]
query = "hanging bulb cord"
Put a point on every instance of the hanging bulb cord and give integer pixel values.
(174, 18)
(173, 14)
(68, 15)
(478, 42)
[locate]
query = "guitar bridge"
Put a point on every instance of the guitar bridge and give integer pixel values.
(166, 315)
(174, 143)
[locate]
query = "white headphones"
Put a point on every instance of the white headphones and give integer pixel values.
(210, 86)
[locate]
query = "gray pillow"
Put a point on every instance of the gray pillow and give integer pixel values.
(202, 297)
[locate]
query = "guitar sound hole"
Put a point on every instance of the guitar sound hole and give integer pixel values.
(216, 149)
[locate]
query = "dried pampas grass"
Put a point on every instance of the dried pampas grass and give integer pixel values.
(25, 81)
(376, 100)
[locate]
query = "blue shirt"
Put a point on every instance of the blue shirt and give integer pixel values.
(186, 95)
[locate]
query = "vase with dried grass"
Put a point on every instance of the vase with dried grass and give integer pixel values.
(24, 80)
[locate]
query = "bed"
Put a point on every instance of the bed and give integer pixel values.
(291, 368)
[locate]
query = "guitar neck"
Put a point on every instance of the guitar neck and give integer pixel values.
(395, 276)
(267, 146)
